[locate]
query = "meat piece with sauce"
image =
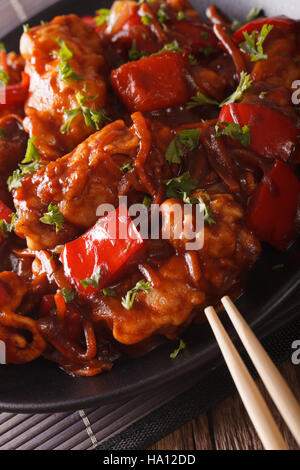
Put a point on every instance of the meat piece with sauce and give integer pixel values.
(63, 58)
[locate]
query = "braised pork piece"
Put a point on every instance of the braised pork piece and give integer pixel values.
(151, 102)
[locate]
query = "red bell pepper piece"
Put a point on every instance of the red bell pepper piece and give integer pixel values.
(110, 247)
(273, 135)
(273, 208)
(15, 95)
(5, 213)
(280, 22)
(152, 83)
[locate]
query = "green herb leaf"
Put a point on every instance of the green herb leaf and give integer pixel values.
(202, 206)
(204, 35)
(235, 131)
(29, 165)
(205, 50)
(128, 300)
(180, 15)
(92, 281)
(254, 46)
(146, 19)
(262, 95)
(245, 83)
(2, 47)
(109, 292)
(186, 140)
(134, 54)
(181, 347)
(200, 99)
(126, 167)
(102, 16)
(68, 295)
(2, 135)
(8, 227)
(147, 201)
(176, 187)
(65, 70)
(4, 78)
(170, 47)
(162, 16)
(26, 28)
(53, 217)
(192, 60)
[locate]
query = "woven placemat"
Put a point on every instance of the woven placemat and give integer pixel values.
(136, 423)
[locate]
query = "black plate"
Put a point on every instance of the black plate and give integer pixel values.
(41, 386)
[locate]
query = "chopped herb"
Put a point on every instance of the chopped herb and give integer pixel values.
(205, 50)
(186, 140)
(109, 292)
(200, 99)
(2, 136)
(181, 347)
(146, 19)
(170, 47)
(8, 227)
(128, 300)
(204, 35)
(235, 131)
(135, 54)
(4, 78)
(245, 83)
(43, 22)
(192, 60)
(277, 266)
(180, 15)
(126, 167)
(253, 45)
(65, 70)
(147, 201)
(29, 165)
(102, 16)
(202, 206)
(53, 217)
(262, 95)
(26, 28)
(2, 47)
(92, 118)
(177, 187)
(68, 295)
(92, 281)
(162, 16)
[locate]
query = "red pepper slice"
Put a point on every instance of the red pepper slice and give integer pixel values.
(5, 213)
(281, 22)
(273, 135)
(156, 82)
(112, 245)
(273, 208)
(15, 95)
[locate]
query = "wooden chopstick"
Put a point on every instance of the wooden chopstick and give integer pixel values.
(277, 387)
(253, 400)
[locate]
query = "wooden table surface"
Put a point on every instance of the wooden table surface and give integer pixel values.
(227, 426)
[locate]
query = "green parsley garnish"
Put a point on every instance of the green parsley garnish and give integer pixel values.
(4, 78)
(205, 50)
(8, 227)
(102, 16)
(65, 70)
(192, 60)
(109, 292)
(200, 99)
(26, 28)
(147, 201)
(235, 131)
(202, 206)
(180, 15)
(53, 217)
(204, 35)
(68, 295)
(128, 300)
(262, 95)
(186, 140)
(146, 19)
(2, 136)
(181, 347)
(162, 16)
(2, 47)
(253, 45)
(92, 118)
(92, 281)
(245, 83)
(135, 54)
(170, 47)
(177, 187)
(126, 167)
(29, 165)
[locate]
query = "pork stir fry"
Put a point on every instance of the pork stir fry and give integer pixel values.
(150, 103)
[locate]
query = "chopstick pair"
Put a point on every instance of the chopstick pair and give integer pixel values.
(253, 400)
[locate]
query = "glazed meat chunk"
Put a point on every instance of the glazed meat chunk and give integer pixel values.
(66, 68)
(76, 184)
